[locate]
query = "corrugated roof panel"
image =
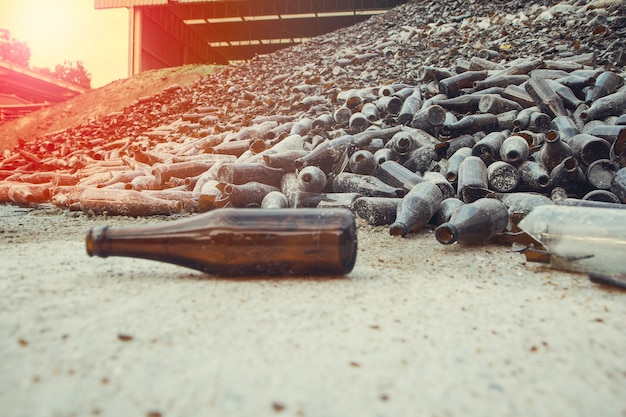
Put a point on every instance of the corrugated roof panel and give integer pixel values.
(112, 4)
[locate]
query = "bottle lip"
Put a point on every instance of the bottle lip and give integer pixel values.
(446, 233)
(398, 229)
(94, 239)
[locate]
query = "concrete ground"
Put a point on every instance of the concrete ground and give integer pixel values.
(417, 329)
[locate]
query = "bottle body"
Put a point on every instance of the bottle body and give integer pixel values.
(586, 239)
(241, 242)
(473, 223)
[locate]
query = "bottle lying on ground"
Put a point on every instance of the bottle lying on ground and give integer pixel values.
(239, 242)
(584, 239)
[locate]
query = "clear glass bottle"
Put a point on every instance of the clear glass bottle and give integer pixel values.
(240, 242)
(584, 239)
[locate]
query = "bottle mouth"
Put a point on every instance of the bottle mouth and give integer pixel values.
(93, 242)
(398, 229)
(446, 234)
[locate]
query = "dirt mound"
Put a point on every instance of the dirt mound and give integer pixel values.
(110, 98)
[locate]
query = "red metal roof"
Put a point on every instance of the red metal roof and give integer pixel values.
(34, 87)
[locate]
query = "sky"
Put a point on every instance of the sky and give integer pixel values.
(72, 30)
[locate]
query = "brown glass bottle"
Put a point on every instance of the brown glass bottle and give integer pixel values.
(545, 97)
(239, 242)
(397, 175)
(474, 223)
(486, 122)
(377, 211)
(488, 148)
(611, 105)
(327, 154)
(450, 86)
(473, 182)
(363, 162)
(429, 118)
(366, 185)
(553, 151)
(416, 208)
(606, 83)
(241, 173)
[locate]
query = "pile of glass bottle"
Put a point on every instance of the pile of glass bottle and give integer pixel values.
(525, 133)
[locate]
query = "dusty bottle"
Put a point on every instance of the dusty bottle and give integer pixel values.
(495, 104)
(445, 211)
(250, 194)
(125, 203)
(581, 239)
(363, 162)
(469, 124)
(502, 176)
(500, 81)
(618, 185)
(545, 97)
(397, 175)
(275, 200)
(514, 150)
(533, 177)
(239, 242)
(410, 106)
(327, 154)
(539, 122)
(568, 175)
(402, 143)
(569, 99)
(606, 83)
(429, 118)
(370, 111)
(488, 148)
(416, 208)
(241, 173)
(365, 185)
(553, 151)
(518, 94)
(474, 223)
(452, 170)
(284, 160)
(611, 105)
(377, 211)
(450, 86)
(322, 200)
(312, 179)
(589, 148)
(473, 183)
(467, 103)
(420, 159)
(520, 204)
(29, 194)
(447, 189)
(358, 122)
(600, 173)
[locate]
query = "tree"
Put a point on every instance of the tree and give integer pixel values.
(69, 72)
(13, 50)
(73, 73)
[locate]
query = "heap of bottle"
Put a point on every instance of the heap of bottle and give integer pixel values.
(370, 128)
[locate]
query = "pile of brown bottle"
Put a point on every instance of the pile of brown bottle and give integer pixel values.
(481, 142)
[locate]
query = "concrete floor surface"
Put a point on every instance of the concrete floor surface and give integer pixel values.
(417, 329)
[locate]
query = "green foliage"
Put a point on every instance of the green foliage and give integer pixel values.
(13, 50)
(69, 72)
